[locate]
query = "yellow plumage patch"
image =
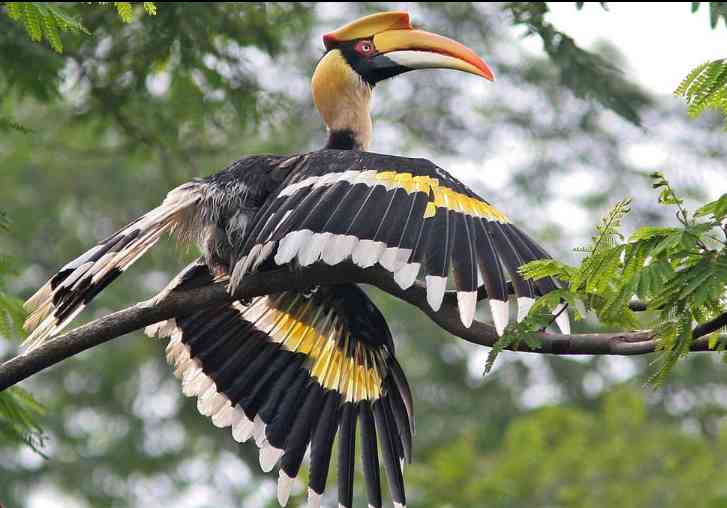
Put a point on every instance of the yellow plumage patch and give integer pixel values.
(356, 377)
(444, 197)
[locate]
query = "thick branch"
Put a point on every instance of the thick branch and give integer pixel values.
(184, 302)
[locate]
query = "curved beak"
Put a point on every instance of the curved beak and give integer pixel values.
(416, 49)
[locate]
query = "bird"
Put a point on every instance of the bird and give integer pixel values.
(301, 371)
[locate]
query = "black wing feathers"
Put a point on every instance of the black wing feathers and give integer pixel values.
(407, 215)
(292, 371)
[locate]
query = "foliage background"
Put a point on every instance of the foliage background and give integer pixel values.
(133, 108)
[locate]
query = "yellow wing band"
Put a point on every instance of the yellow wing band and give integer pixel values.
(353, 376)
(444, 197)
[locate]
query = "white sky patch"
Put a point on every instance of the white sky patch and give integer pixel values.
(567, 214)
(662, 41)
(647, 155)
(576, 183)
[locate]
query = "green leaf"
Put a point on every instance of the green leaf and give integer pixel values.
(32, 20)
(150, 8)
(651, 232)
(19, 413)
(44, 20)
(126, 12)
(7, 124)
(705, 87)
(587, 74)
(716, 209)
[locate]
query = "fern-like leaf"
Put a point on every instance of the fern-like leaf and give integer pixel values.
(126, 12)
(19, 413)
(44, 20)
(705, 87)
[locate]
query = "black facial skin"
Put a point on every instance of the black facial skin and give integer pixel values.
(372, 69)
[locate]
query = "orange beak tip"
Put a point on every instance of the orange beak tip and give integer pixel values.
(329, 40)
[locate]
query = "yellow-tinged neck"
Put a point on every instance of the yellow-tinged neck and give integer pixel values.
(343, 99)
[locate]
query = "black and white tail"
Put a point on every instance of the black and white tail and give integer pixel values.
(66, 294)
(291, 372)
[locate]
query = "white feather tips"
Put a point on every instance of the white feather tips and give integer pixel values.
(394, 258)
(314, 499)
(367, 253)
(407, 274)
(562, 319)
(269, 456)
(224, 417)
(285, 483)
(291, 244)
(467, 303)
(436, 286)
(524, 304)
(242, 430)
(258, 433)
(500, 315)
(161, 329)
(338, 249)
(311, 252)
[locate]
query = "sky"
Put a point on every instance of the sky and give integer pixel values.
(671, 29)
(658, 54)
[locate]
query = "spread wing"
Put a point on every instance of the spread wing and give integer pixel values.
(292, 371)
(409, 216)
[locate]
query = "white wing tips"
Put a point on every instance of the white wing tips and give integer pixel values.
(524, 304)
(407, 274)
(338, 249)
(500, 315)
(314, 499)
(436, 286)
(562, 319)
(269, 456)
(311, 252)
(467, 303)
(289, 246)
(242, 430)
(38, 297)
(367, 253)
(285, 484)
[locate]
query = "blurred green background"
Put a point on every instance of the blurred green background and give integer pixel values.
(134, 109)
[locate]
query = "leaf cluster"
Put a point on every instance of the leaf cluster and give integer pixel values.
(43, 20)
(705, 87)
(19, 413)
(18, 410)
(680, 272)
(586, 74)
(46, 20)
(717, 11)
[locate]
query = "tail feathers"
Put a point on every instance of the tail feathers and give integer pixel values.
(289, 372)
(68, 292)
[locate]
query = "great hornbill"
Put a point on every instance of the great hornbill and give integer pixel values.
(292, 370)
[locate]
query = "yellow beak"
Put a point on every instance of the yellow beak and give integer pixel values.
(417, 49)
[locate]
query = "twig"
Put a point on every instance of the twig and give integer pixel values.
(180, 303)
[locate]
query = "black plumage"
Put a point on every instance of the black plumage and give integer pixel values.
(347, 454)
(322, 441)
(463, 255)
(300, 433)
(369, 454)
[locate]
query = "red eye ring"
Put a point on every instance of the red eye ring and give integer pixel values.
(365, 48)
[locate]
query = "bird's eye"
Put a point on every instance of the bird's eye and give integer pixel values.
(365, 48)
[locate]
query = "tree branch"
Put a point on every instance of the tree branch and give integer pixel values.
(180, 303)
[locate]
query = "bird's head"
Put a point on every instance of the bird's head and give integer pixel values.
(367, 51)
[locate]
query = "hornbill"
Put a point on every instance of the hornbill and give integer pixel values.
(293, 370)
